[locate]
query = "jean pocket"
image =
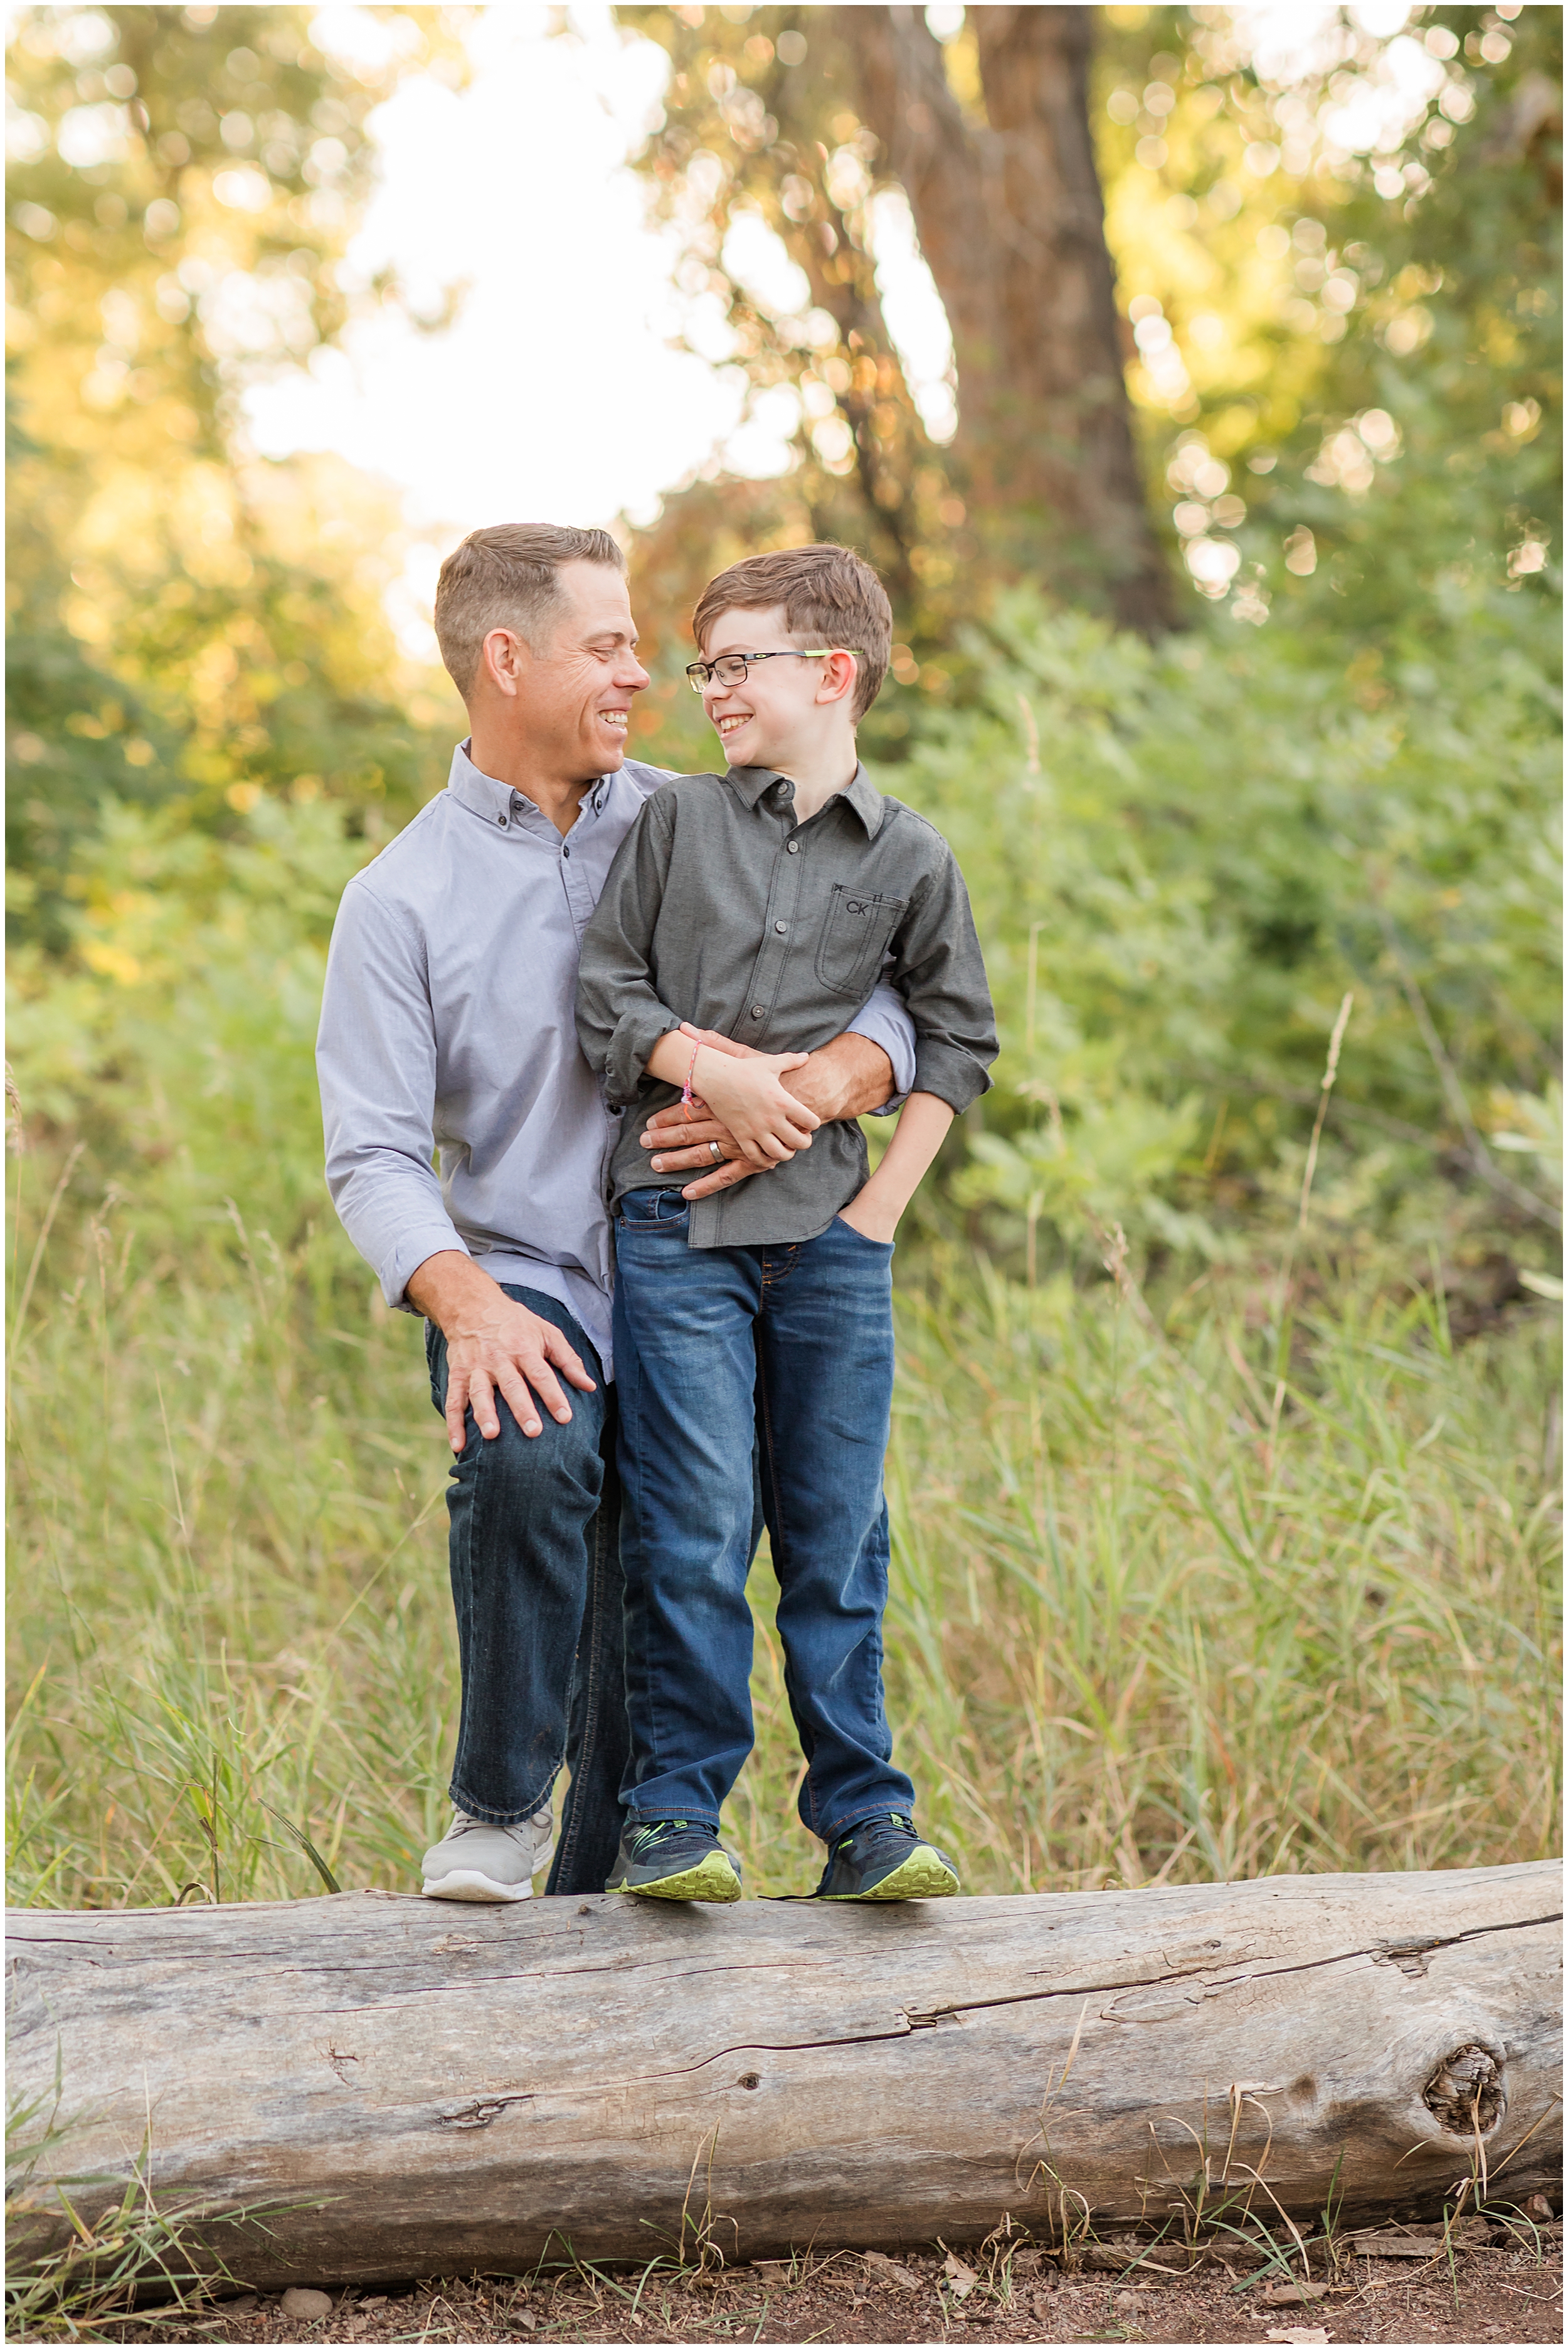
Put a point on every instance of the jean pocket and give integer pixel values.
(864, 1239)
(653, 1211)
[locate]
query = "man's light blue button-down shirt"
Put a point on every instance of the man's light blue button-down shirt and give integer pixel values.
(449, 1041)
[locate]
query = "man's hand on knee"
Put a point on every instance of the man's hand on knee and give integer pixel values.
(846, 1078)
(494, 1345)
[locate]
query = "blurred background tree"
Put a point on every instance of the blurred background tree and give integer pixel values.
(185, 623)
(813, 114)
(1271, 289)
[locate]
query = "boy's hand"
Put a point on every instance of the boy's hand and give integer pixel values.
(743, 1091)
(873, 1221)
(840, 1079)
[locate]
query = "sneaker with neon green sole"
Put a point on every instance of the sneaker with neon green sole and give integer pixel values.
(675, 1859)
(883, 1858)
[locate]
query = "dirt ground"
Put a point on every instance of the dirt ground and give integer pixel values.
(1483, 2293)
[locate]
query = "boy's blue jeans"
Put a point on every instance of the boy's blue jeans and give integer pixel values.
(790, 1346)
(536, 1584)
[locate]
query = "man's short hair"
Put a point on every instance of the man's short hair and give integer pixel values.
(830, 597)
(504, 577)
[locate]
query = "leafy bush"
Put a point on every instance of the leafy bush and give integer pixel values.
(1182, 858)
(177, 1046)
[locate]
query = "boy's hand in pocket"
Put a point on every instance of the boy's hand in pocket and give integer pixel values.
(873, 1222)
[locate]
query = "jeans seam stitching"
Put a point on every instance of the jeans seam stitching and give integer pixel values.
(780, 1563)
(590, 1632)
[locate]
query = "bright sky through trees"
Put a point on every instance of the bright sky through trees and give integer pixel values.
(555, 391)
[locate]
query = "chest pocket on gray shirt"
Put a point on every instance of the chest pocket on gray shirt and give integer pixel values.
(856, 928)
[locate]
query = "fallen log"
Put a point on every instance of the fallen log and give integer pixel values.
(422, 2089)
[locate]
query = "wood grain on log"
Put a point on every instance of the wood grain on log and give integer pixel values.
(437, 2088)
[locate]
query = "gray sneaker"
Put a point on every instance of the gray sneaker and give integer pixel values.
(476, 1861)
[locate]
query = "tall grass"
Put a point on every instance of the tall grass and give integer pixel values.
(1145, 1622)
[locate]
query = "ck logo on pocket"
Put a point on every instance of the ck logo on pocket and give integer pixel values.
(854, 931)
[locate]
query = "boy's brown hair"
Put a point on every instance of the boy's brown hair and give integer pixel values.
(504, 577)
(831, 598)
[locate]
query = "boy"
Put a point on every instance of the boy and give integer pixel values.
(757, 904)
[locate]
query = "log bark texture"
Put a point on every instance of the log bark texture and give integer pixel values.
(436, 2089)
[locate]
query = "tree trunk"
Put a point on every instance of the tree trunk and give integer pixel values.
(1012, 223)
(428, 2089)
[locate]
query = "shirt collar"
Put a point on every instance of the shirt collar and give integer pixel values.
(483, 796)
(750, 782)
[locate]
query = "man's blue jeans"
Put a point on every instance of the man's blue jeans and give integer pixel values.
(536, 1583)
(790, 1346)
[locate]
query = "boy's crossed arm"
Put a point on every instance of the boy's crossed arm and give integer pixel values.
(752, 1088)
(849, 1077)
(745, 1092)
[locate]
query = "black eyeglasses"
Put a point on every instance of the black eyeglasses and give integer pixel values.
(730, 669)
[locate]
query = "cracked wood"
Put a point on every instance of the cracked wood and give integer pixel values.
(428, 2099)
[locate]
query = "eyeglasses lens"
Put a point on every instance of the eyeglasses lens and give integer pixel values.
(730, 670)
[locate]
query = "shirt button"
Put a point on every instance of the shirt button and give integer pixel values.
(757, 1011)
(566, 852)
(501, 821)
(780, 927)
(791, 848)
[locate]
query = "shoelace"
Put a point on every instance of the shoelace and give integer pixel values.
(876, 1831)
(654, 1832)
(461, 1823)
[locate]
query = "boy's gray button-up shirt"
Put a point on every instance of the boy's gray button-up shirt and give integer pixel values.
(721, 909)
(446, 1027)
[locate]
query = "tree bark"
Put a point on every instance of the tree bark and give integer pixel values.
(1012, 223)
(428, 2089)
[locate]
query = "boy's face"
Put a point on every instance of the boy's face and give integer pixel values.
(784, 709)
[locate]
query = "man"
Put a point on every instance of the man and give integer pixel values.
(447, 1027)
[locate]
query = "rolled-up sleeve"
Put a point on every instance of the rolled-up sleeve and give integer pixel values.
(939, 970)
(620, 1017)
(376, 1060)
(883, 1019)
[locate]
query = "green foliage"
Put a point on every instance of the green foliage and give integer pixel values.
(181, 1041)
(1182, 857)
(182, 627)
(1418, 291)
(1148, 1617)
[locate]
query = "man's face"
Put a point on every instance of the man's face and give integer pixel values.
(577, 688)
(781, 707)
